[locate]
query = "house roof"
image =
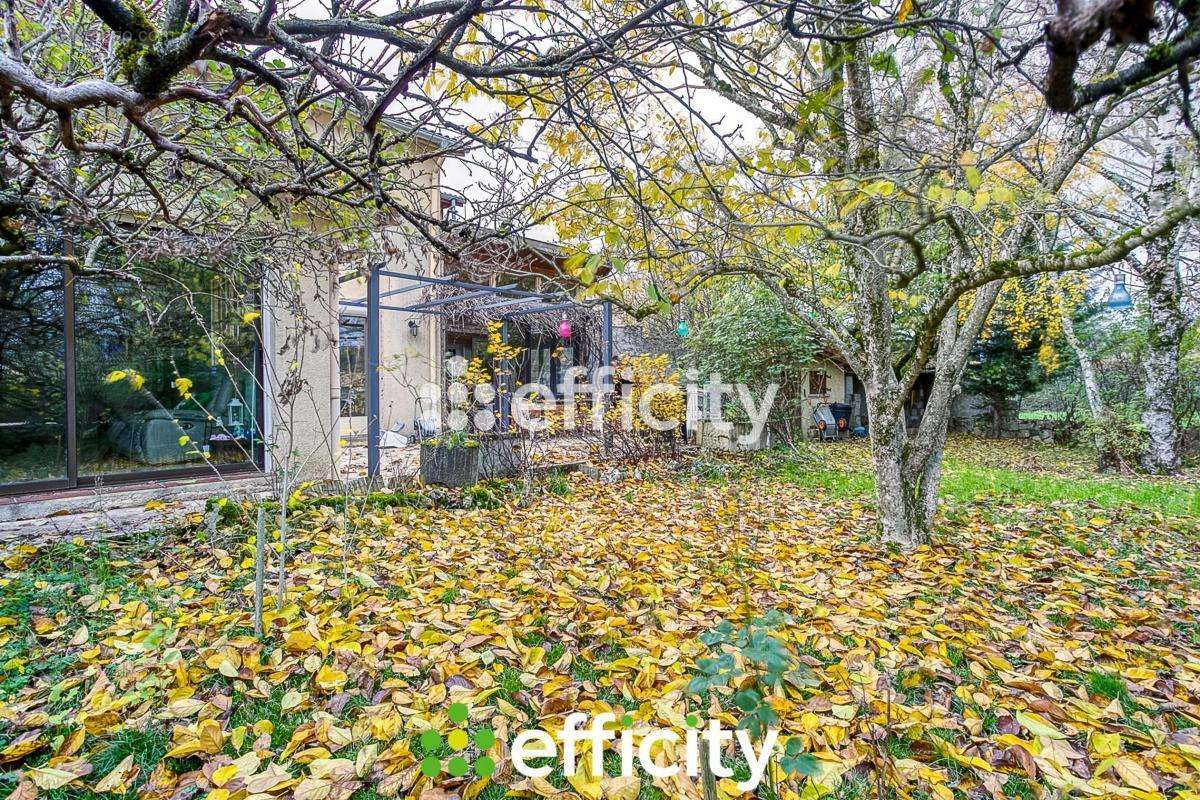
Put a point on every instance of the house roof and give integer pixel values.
(435, 138)
(424, 133)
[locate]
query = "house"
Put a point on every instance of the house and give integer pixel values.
(491, 277)
(831, 381)
(93, 395)
(827, 383)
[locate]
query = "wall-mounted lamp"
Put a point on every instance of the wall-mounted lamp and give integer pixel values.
(413, 327)
(564, 328)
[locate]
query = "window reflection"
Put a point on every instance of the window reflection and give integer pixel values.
(549, 360)
(352, 359)
(32, 373)
(164, 370)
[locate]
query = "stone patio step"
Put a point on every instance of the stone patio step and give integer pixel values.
(113, 511)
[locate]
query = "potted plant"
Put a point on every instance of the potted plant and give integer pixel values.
(450, 459)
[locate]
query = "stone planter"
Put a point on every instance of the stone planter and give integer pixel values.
(711, 438)
(450, 466)
(498, 457)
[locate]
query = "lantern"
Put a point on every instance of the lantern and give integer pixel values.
(1118, 298)
(682, 330)
(564, 328)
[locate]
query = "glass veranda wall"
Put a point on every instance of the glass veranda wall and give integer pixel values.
(113, 379)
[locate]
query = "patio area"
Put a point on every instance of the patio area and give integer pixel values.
(400, 464)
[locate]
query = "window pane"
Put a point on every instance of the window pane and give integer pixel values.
(352, 356)
(164, 370)
(479, 347)
(539, 365)
(33, 408)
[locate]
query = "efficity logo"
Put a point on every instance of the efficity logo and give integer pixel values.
(457, 740)
(660, 752)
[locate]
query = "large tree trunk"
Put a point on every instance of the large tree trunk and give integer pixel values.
(897, 489)
(1166, 319)
(898, 494)
(908, 469)
(925, 462)
(925, 454)
(1164, 332)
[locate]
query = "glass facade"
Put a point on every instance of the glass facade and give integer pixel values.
(549, 359)
(467, 346)
(33, 403)
(352, 361)
(163, 376)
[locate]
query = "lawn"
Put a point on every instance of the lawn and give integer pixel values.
(979, 469)
(1044, 644)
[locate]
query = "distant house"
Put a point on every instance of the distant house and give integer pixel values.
(829, 383)
(832, 381)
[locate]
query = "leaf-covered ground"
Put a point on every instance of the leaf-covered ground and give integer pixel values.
(1037, 649)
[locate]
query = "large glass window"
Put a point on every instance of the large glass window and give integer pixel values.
(164, 370)
(352, 359)
(164, 374)
(549, 360)
(541, 365)
(467, 346)
(33, 409)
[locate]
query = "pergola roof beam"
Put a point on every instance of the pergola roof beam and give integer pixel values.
(457, 283)
(445, 301)
(539, 309)
(411, 309)
(510, 302)
(403, 290)
(362, 301)
(346, 304)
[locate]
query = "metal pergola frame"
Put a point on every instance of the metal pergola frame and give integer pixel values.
(506, 295)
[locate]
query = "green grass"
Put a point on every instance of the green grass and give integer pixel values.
(583, 670)
(964, 481)
(1106, 685)
(854, 788)
(557, 483)
(51, 585)
(1042, 416)
(250, 710)
(1018, 787)
(510, 683)
(147, 748)
(833, 482)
